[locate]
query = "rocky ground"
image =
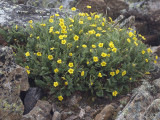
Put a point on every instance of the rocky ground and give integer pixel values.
(142, 103)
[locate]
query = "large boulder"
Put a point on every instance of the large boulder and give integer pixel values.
(142, 104)
(41, 111)
(146, 12)
(13, 79)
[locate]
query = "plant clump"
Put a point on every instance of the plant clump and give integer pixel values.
(84, 52)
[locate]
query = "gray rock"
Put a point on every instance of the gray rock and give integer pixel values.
(56, 116)
(41, 111)
(106, 113)
(153, 111)
(138, 104)
(12, 79)
(156, 83)
(20, 14)
(31, 98)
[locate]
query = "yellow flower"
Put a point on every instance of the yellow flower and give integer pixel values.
(60, 98)
(93, 25)
(31, 26)
(27, 67)
(143, 38)
(103, 24)
(27, 54)
(149, 50)
(39, 54)
(63, 78)
(128, 40)
(37, 37)
(91, 83)
(103, 30)
(61, 37)
(136, 43)
(110, 19)
(28, 71)
(96, 16)
(117, 71)
(31, 21)
(76, 37)
(70, 25)
(50, 29)
(147, 73)
(52, 48)
(59, 61)
(70, 54)
(71, 71)
(64, 31)
(80, 31)
(63, 42)
(100, 44)
(130, 78)
(82, 73)
(57, 15)
(51, 20)
(114, 50)
(108, 55)
(114, 93)
(31, 35)
(87, 62)
(73, 9)
(51, 16)
(103, 64)
(66, 83)
(111, 44)
(93, 46)
(156, 57)
(89, 18)
(99, 74)
(80, 22)
(55, 84)
(98, 35)
(57, 32)
(95, 59)
(88, 6)
(143, 51)
(130, 34)
(70, 65)
(61, 24)
(103, 54)
(16, 27)
(56, 70)
(71, 21)
(50, 57)
(112, 73)
(155, 61)
(99, 28)
(60, 7)
(43, 25)
(63, 27)
(124, 73)
(92, 32)
(84, 46)
(134, 38)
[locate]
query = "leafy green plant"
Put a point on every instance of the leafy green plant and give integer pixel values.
(14, 35)
(83, 53)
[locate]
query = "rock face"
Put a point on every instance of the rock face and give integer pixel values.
(106, 113)
(41, 111)
(13, 79)
(146, 12)
(142, 105)
(31, 98)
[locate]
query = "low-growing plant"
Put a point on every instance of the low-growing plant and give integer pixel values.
(84, 52)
